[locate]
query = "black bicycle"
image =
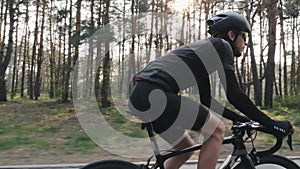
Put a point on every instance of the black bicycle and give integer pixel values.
(239, 158)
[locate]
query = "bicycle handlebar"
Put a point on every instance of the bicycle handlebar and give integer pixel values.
(247, 127)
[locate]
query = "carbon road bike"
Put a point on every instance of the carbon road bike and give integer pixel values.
(239, 158)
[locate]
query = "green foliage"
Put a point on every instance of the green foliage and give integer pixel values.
(11, 141)
(49, 128)
(290, 102)
(123, 125)
(143, 5)
(81, 142)
(30, 122)
(39, 124)
(43, 143)
(292, 8)
(61, 113)
(287, 107)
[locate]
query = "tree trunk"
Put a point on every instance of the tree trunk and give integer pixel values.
(76, 46)
(33, 56)
(99, 55)
(298, 67)
(270, 74)
(293, 61)
(261, 49)
(5, 61)
(4, 16)
(67, 68)
(282, 42)
(15, 65)
(122, 51)
(149, 46)
(97, 74)
(37, 85)
(51, 56)
(105, 88)
(24, 63)
(1, 24)
(90, 57)
(91, 68)
(18, 52)
(256, 81)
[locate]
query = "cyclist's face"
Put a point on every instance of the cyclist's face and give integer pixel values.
(239, 43)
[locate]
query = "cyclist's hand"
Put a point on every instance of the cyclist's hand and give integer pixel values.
(282, 128)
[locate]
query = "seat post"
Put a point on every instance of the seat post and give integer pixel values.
(153, 140)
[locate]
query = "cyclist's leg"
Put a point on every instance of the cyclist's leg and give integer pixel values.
(163, 123)
(208, 124)
(180, 113)
(177, 161)
(213, 132)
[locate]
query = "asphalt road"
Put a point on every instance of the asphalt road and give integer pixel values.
(189, 165)
(194, 166)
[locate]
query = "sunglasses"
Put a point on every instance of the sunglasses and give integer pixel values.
(244, 35)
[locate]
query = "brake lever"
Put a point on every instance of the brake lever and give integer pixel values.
(290, 141)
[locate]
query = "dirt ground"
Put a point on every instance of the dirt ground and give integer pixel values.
(27, 155)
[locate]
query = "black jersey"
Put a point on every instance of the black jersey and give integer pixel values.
(192, 64)
(188, 65)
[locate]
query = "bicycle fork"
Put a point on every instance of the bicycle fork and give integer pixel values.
(239, 157)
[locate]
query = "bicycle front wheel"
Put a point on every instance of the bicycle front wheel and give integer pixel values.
(276, 162)
(111, 164)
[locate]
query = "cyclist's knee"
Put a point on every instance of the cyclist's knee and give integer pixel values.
(219, 131)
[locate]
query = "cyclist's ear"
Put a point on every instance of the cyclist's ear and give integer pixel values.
(231, 35)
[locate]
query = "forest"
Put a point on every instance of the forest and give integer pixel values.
(77, 48)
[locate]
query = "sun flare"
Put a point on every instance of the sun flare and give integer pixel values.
(181, 5)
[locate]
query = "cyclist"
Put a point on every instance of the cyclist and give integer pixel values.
(155, 93)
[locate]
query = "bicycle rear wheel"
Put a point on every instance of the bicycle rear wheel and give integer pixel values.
(276, 162)
(111, 164)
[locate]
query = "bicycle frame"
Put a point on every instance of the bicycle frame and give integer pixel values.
(239, 151)
(237, 159)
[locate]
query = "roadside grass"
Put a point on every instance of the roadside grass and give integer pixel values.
(8, 142)
(122, 124)
(36, 124)
(41, 125)
(81, 142)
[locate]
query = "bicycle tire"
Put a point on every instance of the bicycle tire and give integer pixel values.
(111, 164)
(277, 160)
(273, 161)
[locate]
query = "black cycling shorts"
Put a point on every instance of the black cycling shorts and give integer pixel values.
(170, 114)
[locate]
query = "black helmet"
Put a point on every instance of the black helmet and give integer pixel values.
(221, 23)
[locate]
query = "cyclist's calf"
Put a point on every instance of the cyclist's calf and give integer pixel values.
(177, 161)
(213, 132)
